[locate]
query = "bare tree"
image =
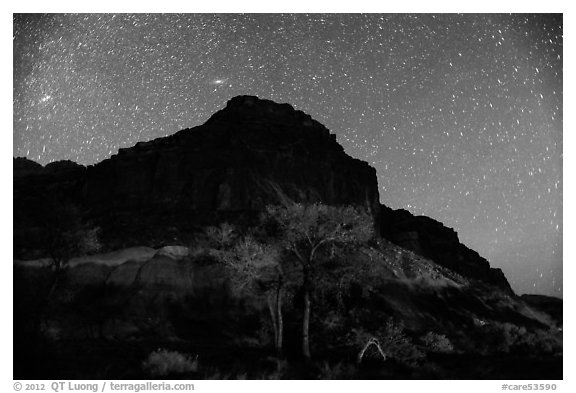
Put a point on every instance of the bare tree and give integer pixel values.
(69, 236)
(306, 230)
(255, 269)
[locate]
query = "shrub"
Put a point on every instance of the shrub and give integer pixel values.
(539, 341)
(162, 362)
(498, 337)
(391, 340)
(438, 343)
(501, 337)
(399, 346)
(339, 370)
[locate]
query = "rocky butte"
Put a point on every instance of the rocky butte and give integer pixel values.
(157, 280)
(252, 153)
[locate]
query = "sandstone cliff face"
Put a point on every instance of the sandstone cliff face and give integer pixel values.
(250, 154)
(431, 239)
(38, 193)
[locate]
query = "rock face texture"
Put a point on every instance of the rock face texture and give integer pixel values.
(39, 193)
(250, 154)
(433, 240)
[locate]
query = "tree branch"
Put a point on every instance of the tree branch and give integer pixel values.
(298, 255)
(309, 239)
(329, 239)
(370, 342)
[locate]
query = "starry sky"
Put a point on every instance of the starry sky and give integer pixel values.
(461, 115)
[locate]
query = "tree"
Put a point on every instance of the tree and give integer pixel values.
(255, 268)
(69, 236)
(305, 231)
(219, 237)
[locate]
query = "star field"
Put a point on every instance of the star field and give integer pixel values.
(461, 115)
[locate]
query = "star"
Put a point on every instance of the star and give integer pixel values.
(460, 115)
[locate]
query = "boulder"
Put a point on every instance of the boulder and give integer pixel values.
(174, 252)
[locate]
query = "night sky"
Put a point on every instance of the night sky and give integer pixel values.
(461, 115)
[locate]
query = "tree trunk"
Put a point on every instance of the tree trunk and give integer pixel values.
(54, 285)
(280, 320)
(306, 325)
(274, 322)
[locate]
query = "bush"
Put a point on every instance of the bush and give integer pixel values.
(540, 341)
(438, 343)
(339, 370)
(504, 337)
(399, 346)
(162, 362)
(501, 337)
(392, 340)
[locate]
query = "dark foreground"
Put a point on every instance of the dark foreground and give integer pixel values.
(105, 359)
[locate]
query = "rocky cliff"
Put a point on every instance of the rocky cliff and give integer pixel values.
(433, 240)
(250, 154)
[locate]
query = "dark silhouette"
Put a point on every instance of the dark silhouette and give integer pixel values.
(239, 247)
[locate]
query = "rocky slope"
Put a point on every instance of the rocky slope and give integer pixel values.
(138, 299)
(550, 305)
(431, 239)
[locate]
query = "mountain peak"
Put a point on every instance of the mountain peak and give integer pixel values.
(245, 108)
(252, 153)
